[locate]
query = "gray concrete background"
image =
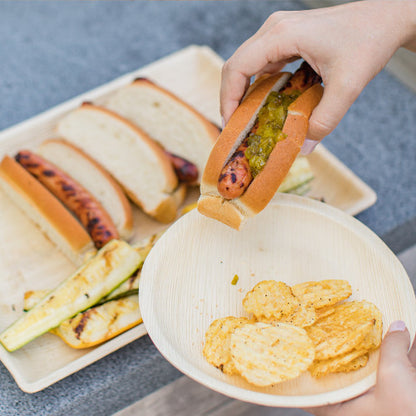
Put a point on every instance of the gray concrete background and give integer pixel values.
(51, 51)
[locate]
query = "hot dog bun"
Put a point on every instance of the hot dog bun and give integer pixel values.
(171, 122)
(83, 205)
(93, 177)
(234, 212)
(45, 210)
(138, 164)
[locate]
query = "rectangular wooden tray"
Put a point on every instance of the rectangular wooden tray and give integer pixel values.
(29, 261)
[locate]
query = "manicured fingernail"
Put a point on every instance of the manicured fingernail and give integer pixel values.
(222, 122)
(308, 146)
(397, 326)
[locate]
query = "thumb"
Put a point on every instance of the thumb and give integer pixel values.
(395, 345)
(339, 94)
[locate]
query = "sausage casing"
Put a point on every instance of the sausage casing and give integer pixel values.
(186, 171)
(74, 196)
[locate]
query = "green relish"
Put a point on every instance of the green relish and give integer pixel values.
(270, 121)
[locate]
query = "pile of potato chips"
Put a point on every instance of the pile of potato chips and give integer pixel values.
(294, 329)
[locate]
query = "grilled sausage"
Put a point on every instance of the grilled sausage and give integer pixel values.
(73, 195)
(236, 175)
(186, 171)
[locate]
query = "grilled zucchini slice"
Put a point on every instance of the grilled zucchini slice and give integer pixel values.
(100, 323)
(112, 265)
(299, 176)
(127, 288)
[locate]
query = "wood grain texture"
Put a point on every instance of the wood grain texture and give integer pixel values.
(294, 240)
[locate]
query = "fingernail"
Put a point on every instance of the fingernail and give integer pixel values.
(222, 122)
(308, 146)
(397, 326)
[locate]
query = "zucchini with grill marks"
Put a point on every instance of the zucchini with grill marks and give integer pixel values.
(100, 323)
(127, 288)
(298, 178)
(110, 267)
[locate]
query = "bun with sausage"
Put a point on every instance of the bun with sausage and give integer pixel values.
(45, 210)
(73, 195)
(174, 124)
(256, 149)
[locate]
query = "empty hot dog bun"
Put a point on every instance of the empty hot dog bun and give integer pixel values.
(44, 210)
(171, 122)
(93, 177)
(235, 211)
(137, 163)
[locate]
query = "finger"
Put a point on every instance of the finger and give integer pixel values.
(272, 68)
(233, 87)
(249, 60)
(308, 146)
(339, 94)
(395, 346)
(412, 353)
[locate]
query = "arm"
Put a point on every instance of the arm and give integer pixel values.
(347, 45)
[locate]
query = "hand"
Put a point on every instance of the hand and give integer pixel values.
(346, 45)
(394, 392)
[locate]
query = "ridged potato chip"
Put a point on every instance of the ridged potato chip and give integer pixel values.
(323, 312)
(217, 343)
(323, 292)
(345, 329)
(374, 337)
(354, 365)
(340, 363)
(271, 299)
(268, 354)
(302, 316)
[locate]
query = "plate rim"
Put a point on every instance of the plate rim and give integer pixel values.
(260, 398)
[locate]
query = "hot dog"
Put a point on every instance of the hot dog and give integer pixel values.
(186, 171)
(170, 121)
(258, 146)
(74, 196)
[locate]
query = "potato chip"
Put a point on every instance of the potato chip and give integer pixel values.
(270, 299)
(374, 337)
(217, 343)
(354, 365)
(345, 329)
(302, 316)
(340, 363)
(323, 312)
(266, 354)
(323, 292)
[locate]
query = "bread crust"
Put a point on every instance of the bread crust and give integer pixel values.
(211, 128)
(165, 210)
(53, 212)
(75, 197)
(127, 226)
(262, 189)
(235, 131)
(164, 161)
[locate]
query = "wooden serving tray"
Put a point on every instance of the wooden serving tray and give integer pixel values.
(29, 261)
